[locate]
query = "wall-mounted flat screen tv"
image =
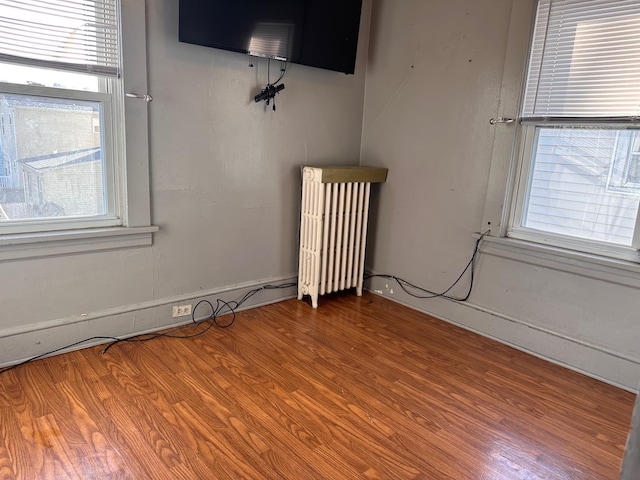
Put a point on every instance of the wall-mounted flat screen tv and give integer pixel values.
(318, 33)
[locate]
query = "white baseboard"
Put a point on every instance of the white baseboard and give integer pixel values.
(21, 343)
(18, 344)
(592, 360)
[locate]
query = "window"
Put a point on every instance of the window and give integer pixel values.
(64, 178)
(578, 184)
(59, 78)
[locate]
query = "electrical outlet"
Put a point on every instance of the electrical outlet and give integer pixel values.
(181, 310)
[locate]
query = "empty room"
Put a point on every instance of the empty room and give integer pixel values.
(381, 239)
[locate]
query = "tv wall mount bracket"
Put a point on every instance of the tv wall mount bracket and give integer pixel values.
(269, 93)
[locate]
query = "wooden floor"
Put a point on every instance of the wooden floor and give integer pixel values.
(360, 388)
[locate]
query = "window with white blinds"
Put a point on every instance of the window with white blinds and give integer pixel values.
(578, 183)
(61, 116)
(585, 60)
(70, 35)
(72, 178)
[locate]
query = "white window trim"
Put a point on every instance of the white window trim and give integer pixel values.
(588, 265)
(113, 214)
(136, 229)
(63, 242)
(522, 179)
(506, 147)
(505, 169)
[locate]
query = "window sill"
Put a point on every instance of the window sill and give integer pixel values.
(63, 242)
(612, 270)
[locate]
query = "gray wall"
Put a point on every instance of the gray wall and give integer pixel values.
(225, 190)
(225, 171)
(437, 72)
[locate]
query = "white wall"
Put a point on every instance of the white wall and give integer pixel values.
(225, 188)
(438, 71)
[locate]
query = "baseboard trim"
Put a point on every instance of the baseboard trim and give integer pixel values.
(594, 361)
(21, 343)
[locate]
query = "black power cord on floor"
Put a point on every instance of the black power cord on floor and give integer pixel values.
(411, 289)
(222, 307)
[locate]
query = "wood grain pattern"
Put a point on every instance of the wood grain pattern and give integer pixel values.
(360, 388)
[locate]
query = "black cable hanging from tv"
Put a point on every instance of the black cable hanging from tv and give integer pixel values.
(269, 92)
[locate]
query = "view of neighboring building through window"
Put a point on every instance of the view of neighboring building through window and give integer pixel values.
(581, 183)
(580, 174)
(51, 156)
(58, 74)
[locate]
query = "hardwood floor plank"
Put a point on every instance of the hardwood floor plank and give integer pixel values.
(300, 440)
(252, 431)
(188, 459)
(217, 445)
(142, 451)
(60, 457)
(360, 388)
(368, 409)
(9, 449)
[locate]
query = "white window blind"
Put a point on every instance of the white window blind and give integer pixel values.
(585, 60)
(71, 35)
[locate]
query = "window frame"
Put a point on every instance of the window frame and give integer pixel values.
(111, 162)
(521, 186)
(132, 174)
(516, 182)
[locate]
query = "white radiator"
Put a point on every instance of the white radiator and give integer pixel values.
(333, 228)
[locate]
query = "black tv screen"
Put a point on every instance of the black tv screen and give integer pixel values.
(318, 33)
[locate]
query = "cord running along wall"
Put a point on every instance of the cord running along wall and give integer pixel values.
(333, 229)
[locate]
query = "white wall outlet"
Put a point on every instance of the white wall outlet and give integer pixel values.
(181, 310)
